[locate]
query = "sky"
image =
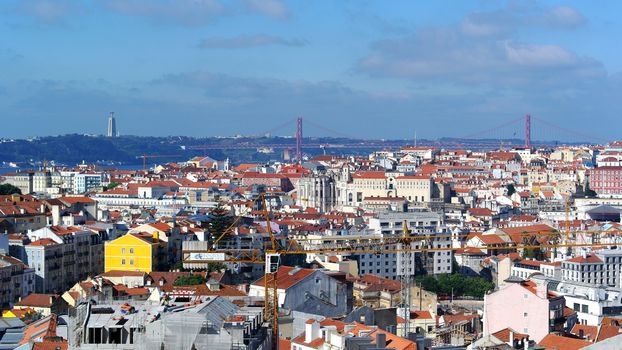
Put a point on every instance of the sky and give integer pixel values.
(368, 69)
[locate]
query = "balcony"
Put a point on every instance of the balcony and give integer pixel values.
(557, 321)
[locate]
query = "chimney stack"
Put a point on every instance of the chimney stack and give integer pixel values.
(381, 340)
(312, 330)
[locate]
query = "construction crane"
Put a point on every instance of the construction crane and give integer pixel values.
(271, 256)
(146, 156)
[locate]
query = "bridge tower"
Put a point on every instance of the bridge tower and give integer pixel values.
(527, 130)
(299, 140)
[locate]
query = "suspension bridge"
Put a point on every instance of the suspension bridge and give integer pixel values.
(524, 131)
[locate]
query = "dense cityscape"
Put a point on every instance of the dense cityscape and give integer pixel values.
(413, 247)
(310, 175)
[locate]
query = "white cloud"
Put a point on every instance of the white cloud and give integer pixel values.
(248, 41)
(566, 16)
(484, 49)
(185, 12)
(539, 55)
(270, 8)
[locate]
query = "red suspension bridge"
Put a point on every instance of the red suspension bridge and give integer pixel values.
(524, 131)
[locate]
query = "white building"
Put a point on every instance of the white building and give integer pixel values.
(86, 182)
(600, 268)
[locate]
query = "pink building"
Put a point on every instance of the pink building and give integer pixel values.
(528, 308)
(606, 180)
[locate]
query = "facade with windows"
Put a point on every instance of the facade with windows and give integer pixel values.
(391, 264)
(606, 181)
(600, 268)
(591, 303)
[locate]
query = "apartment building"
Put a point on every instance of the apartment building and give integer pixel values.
(45, 256)
(320, 292)
(424, 223)
(606, 181)
(592, 303)
(600, 268)
(527, 307)
(17, 280)
(62, 256)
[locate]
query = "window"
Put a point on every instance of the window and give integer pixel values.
(524, 314)
(131, 261)
(584, 309)
(122, 261)
(131, 250)
(576, 306)
(122, 250)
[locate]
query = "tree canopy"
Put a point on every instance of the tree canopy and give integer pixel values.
(220, 220)
(6, 189)
(511, 189)
(460, 285)
(190, 280)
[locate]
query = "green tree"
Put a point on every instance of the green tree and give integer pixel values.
(111, 186)
(190, 280)
(455, 284)
(6, 189)
(589, 193)
(215, 267)
(511, 189)
(534, 253)
(220, 220)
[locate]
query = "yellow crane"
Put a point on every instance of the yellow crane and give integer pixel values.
(271, 255)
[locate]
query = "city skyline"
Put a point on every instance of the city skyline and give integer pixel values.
(181, 68)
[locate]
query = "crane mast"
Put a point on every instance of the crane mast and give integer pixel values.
(405, 246)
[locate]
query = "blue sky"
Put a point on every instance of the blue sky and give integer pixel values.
(372, 69)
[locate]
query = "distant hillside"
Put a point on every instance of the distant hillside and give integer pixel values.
(72, 149)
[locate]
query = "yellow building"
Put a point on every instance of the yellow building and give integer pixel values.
(136, 252)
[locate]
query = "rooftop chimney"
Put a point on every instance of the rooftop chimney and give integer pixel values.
(381, 340)
(542, 290)
(312, 330)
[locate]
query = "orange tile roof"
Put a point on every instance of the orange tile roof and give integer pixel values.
(43, 242)
(74, 200)
(606, 331)
(285, 344)
(51, 344)
(38, 300)
(504, 335)
(589, 259)
(557, 342)
(286, 280)
(45, 327)
(423, 315)
(121, 273)
(369, 175)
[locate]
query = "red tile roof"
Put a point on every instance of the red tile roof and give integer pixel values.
(38, 300)
(369, 175)
(74, 200)
(287, 277)
(43, 242)
(504, 335)
(589, 259)
(557, 342)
